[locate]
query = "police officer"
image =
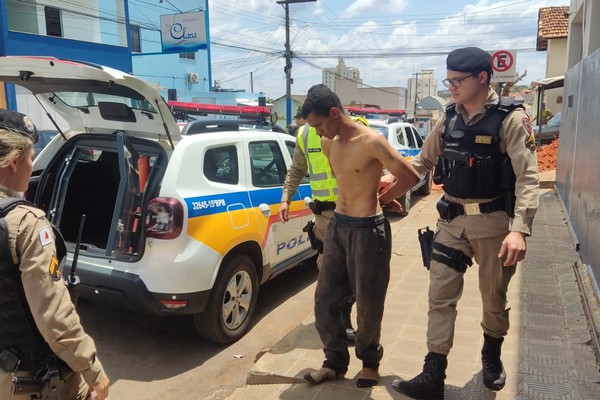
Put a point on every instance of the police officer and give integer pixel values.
(308, 157)
(42, 343)
(488, 167)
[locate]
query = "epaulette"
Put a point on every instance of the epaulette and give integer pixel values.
(8, 203)
(508, 104)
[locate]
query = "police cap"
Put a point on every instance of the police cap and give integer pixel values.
(18, 122)
(469, 59)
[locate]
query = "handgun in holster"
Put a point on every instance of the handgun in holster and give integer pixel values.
(43, 382)
(315, 243)
(426, 242)
(317, 207)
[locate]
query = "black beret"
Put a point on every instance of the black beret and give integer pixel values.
(469, 59)
(18, 122)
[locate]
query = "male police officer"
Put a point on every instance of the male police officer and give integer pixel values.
(43, 348)
(488, 167)
(308, 157)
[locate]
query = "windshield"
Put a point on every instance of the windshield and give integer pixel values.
(381, 129)
(554, 120)
(89, 99)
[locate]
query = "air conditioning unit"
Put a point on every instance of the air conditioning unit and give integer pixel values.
(192, 77)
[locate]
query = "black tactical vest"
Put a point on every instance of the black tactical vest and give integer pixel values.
(17, 326)
(471, 164)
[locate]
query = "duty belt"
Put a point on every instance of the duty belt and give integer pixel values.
(317, 207)
(449, 210)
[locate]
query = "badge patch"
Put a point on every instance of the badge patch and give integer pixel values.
(527, 125)
(45, 236)
(479, 139)
(530, 143)
(457, 134)
(54, 269)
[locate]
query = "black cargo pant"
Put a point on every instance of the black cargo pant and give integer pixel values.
(356, 261)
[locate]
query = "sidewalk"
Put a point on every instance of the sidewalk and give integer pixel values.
(547, 353)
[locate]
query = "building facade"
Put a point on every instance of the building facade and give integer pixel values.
(423, 84)
(122, 34)
(330, 75)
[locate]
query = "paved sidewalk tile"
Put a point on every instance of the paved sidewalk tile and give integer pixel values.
(547, 353)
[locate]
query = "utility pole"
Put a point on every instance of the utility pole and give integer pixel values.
(288, 59)
(416, 74)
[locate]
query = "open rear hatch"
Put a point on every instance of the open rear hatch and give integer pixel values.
(112, 163)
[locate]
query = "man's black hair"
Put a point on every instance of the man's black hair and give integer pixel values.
(319, 101)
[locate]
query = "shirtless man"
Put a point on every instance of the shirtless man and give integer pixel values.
(357, 249)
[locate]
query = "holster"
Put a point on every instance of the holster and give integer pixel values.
(317, 207)
(315, 243)
(426, 242)
(43, 382)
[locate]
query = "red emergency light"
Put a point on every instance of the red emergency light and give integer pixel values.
(219, 109)
(371, 110)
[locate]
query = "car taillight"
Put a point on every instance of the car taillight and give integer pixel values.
(164, 218)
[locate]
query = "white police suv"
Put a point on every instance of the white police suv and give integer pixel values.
(175, 222)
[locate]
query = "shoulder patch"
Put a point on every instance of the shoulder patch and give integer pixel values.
(45, 236)
(527, 124)
(530, 143)
(54, 269)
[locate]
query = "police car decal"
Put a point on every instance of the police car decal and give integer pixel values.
(409, 152)
(238, 212)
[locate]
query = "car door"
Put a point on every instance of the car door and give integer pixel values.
(268, 171)
(411, 140)
(126, 215)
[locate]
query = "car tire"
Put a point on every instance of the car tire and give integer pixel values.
(425, 189)
(232, 302)
(404, 201)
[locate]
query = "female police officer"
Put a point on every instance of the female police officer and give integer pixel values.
(42, 343)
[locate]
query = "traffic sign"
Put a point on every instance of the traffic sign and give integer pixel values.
(504, 65)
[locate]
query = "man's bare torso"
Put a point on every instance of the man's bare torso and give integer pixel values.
(357, 171)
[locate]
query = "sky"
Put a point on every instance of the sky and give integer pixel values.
(387, 40)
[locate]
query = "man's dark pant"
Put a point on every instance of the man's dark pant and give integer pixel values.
(356, 261)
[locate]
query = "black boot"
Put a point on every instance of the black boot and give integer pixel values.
(494, 376)
(429, 384)
(345, 310)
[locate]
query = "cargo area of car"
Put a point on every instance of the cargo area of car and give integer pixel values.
(91, 191)
(88, 179)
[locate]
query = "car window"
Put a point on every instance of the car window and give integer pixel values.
(554, 120)
(418, 137)
(400, 136)
(290, 147)
(221, 165)
(381, 129)
(410, 137)
(268, 167)
(44, 137)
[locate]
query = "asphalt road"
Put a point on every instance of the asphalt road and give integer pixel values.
(151, 358)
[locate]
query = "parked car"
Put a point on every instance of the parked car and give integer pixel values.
(405, 138)
(550, 130)
(175, 224)
(45, 136)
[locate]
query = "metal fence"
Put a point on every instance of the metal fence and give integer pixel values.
(578, 165)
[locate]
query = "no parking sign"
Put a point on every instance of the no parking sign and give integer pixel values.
(504, 65)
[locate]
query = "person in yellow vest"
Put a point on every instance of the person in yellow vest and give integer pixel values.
(324, 194)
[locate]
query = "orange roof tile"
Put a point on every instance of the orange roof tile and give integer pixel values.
(553, 23)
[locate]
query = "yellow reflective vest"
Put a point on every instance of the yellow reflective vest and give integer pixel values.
(322, 182)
